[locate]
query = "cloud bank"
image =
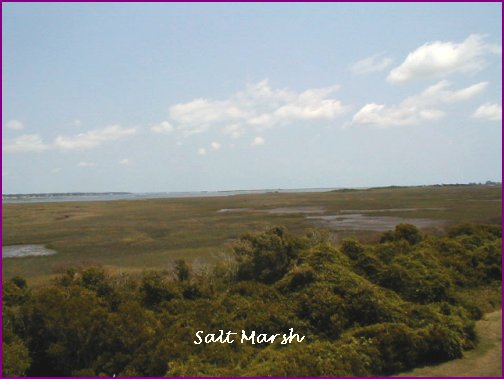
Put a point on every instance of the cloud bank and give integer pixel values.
(437, 59)
(28, 143)
(415, 109)
(93, 138)
(258, 106)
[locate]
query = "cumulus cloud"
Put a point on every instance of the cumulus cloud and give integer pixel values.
(86, 164)
(258, 106)
(28, 143)
(415, 109)
(216, 145)
(14, 125)
(258, 141)
(437, 59)
(124, 162)
(163, 127)
(373, 63)
(488, 111)
(201, 151)
(93, 138)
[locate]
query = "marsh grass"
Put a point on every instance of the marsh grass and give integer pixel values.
(145, 234)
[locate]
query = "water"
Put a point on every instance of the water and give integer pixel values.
(350, 220)
(21, 251)
(359, 221)
(54, 198)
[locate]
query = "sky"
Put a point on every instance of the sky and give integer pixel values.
(227, 96)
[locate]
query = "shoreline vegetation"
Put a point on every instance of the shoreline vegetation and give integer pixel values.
(409, 300)
(49, 195)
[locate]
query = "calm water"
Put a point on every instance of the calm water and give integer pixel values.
(21, 251)
(52, 198)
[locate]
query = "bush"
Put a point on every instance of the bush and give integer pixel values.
(365, 310)
(351, 248)
(155, 288)
(397, 344)
(265, 257)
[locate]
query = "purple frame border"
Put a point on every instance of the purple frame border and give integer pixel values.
(242, 1)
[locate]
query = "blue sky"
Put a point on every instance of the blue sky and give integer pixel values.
(189, 97)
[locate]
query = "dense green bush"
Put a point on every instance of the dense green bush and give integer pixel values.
(406, 232)
(364, 309)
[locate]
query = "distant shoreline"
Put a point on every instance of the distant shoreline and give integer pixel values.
(109, 196)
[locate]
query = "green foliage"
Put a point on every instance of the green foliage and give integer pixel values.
(15, 357)
(157, 287)
(15, 292)
(182, 270)
(398, 345)
(364, 309)
(406, 232)
(352, 248)
(265, 257)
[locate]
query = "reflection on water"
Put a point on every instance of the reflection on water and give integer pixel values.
(374, 223)
(20, 251)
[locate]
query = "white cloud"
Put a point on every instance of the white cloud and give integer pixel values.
(216, 145)
(201, 151)
(124, 162)
(56, 170)
(258, 141)
(310, 105)
(93, 138)
(163, 127)
(258, 106)
(374, 63)
(437, 59)
(14, 125)
(86, 164)
(198, 115)
(488, 111)
(415, 109)
(438, 93)
(76, 123)
(27, 143)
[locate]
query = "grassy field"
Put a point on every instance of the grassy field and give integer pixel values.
(135, 235)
